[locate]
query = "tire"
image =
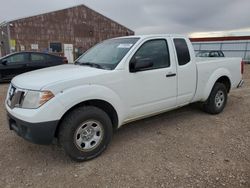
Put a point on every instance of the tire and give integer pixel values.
(217, 99)
(85, 133)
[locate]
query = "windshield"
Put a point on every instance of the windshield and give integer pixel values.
(108, 54)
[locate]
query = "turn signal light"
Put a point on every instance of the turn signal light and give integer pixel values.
(45, 96)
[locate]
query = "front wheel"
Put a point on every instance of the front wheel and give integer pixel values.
(217, 99)
(85, 133)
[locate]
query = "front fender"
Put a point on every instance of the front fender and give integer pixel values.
(212, 79)
(73, 96)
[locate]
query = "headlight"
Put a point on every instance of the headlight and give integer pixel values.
(35, 99)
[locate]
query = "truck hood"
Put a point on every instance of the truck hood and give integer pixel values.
(38, 79)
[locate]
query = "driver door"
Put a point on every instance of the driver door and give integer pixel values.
(153, 89)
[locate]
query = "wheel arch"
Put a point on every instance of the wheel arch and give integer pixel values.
(219, 76)
(226, 81)
(102, 104)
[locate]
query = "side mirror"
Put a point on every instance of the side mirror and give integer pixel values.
(4, 61)
(140, 64)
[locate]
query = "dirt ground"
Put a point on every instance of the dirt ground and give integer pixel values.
(182, 148)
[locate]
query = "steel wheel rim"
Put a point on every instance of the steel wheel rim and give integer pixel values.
(88, 135)
(219, 99)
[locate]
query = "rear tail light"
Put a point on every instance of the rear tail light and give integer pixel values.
(242, 67)
(65, 60)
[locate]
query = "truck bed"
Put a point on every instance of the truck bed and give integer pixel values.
(208, 68)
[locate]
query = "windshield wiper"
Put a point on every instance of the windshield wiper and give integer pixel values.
(90, 64)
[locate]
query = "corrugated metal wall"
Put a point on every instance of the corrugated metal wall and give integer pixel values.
(234, 48)
(78, 25)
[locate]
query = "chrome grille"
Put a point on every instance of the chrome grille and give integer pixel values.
(15, 97)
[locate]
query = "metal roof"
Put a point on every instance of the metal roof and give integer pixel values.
(80, 5)
(226, 38)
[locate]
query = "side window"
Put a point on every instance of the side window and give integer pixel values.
(182, 51)
(17, 58)
(37, 57)
(155, 50)
(49, 58)
(53, 59)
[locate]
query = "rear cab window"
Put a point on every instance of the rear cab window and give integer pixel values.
(182, 51)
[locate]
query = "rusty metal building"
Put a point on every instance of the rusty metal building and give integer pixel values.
(68, 32)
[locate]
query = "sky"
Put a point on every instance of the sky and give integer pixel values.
(196, 18)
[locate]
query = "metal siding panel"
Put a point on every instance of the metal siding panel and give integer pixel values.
(234, 53)
(248, 46)
(247, 58)
(196, 46)
(234, 46)
(210, 46)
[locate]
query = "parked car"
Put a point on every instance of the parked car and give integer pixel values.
(213, 53)
(115, 82)
(21, 62)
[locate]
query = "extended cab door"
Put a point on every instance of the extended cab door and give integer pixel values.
(152, 81)
(187, 75)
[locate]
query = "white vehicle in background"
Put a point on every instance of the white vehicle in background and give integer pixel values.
(211, 53)
(117, 81)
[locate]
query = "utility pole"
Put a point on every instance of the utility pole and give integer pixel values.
(8, 36)
(5, 38)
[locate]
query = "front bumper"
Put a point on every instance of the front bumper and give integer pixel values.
(38, 133)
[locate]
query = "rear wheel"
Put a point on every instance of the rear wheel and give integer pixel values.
(217, 99)
(85, 133)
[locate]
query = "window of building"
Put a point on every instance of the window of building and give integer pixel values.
(56, 47)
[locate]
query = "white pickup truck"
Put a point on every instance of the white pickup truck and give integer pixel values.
(117, 81)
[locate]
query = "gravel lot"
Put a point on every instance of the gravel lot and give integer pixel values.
(182, 148)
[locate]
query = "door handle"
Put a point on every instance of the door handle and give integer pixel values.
(171, 75)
